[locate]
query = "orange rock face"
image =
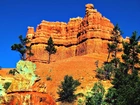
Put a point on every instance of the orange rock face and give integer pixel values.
(30, 98)
(79, 36)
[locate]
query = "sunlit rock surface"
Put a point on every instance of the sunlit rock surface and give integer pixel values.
(80, 36)
(24, 78)
(21, 90)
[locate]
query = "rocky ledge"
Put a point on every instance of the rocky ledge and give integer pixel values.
(79, 36)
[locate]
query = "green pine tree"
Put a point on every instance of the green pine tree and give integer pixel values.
(50, 48)
(22, 48)
(67, 88)
(107, 71)
(126, 84)
(131, 52)
(113, 47)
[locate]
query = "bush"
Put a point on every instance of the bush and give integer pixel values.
(12, 71)
(48, 78)
(100, 73)
(95, 96)
(67, 88)
(6, 85)
(106, 72)
(81, 101)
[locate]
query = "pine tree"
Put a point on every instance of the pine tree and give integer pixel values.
(105, 72)
(67, 88)
(22, 47)
(110, 97)
(50, 48)
(131, 51)
(126, 84)
(113, 47)
(108, 69)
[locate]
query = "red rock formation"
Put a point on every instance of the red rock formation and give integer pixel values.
(29, 98)
(25, 87)
(79, 36)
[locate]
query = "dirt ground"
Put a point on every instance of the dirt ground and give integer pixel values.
(82, 68)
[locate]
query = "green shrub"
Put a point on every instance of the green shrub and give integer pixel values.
(81, 101)
(6, 85)
(67, 88)
(12, 71)
(100, 73)
(106, 72)
(95, 96)
(48, 78)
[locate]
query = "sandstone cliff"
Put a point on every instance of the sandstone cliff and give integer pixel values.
(79, 36)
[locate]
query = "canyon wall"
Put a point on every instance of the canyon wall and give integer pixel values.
(80, 36)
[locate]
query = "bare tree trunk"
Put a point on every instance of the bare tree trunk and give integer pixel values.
(108, 56)
(49, 58)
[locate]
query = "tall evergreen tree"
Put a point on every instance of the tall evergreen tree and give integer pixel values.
(50, 48)
(22, 48)
(113, 47)
(109, 67)
(126, 84)
(131, 52)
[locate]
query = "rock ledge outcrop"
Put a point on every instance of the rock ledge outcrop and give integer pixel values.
(79, 36)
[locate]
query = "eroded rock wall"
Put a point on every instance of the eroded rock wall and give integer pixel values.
(79, 36)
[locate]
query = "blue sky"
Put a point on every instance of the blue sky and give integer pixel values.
(17, 15)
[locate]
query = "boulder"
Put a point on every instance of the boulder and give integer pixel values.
(24, 77)
(24, 88)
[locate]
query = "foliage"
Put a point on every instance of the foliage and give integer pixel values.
(81, 101)
(96, 95)
(131, 52)
(110, 97)
(6, 85)
(22, 47)
(126, 83)
(48, 78)
(100, 73)
(105, 72)
(113, 47)
(13, 71)
(67, 88)
(50, 48)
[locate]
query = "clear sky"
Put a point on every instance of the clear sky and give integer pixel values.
(17, 15)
